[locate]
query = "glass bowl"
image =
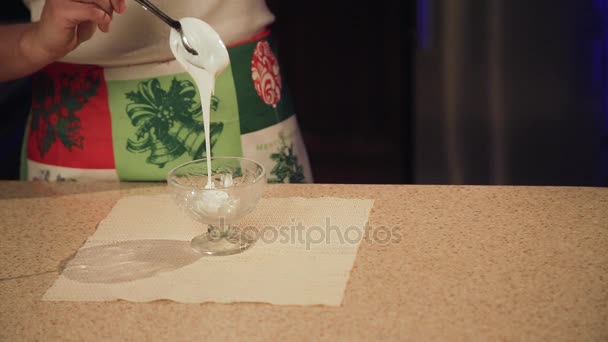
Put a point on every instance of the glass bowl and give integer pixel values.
(238, 185)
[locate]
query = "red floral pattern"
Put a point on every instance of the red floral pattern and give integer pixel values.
(266, 74)
(69, 108)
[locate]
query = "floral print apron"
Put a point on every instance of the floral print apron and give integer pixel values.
(136, 123)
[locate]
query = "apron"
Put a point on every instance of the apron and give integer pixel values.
(137, 123)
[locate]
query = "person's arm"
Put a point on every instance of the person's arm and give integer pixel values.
(63, 25)
(21, 55)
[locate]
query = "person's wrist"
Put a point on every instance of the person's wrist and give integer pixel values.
(35, 49)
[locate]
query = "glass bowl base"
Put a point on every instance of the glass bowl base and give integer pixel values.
(209, 245)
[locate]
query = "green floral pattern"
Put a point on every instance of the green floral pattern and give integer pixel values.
(168, 122)
(287, 167)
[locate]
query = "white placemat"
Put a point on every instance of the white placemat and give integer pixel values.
(141, 253)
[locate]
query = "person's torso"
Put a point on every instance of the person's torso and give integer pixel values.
(138, 37)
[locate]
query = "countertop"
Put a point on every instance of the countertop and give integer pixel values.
(462, 263)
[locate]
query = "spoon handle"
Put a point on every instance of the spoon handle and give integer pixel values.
(150, 7)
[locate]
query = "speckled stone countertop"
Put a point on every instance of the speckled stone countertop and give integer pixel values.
(462, 263)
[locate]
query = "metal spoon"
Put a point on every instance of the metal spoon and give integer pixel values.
(147, 5)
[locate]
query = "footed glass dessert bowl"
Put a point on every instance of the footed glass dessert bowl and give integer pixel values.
(236, 186)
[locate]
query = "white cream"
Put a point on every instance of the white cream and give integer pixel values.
(213, 202)
(211, 60)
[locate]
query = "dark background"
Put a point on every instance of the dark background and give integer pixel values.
(14, 101)
(349, 65)
(512, 92)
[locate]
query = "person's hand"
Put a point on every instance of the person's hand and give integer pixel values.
(64, 24)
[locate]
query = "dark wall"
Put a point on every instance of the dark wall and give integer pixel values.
(14, 101)
(513, 92)
(13, 11)
(348, 66)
